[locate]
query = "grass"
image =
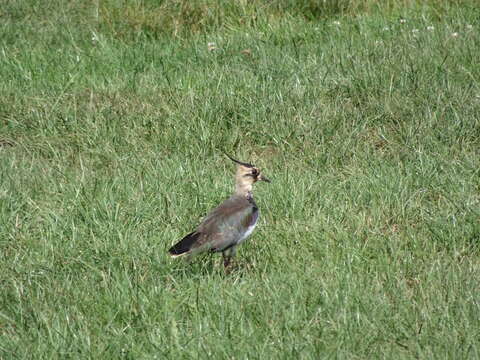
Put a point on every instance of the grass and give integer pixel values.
(365, 117)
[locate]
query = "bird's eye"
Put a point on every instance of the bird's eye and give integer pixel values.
(254, 172)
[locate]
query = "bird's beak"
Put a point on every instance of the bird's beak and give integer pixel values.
(263, 178)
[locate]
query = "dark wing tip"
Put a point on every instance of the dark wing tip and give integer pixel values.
(184, 245)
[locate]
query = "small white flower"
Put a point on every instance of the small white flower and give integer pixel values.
(469, 27)
(386, 28)
(430, 28)
(211, 46)
(455, 34)
(336, 23)
(403, 21)
(94, 37)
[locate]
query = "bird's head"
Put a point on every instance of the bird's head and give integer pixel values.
(247, 175)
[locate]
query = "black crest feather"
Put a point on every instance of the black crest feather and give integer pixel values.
(239, 162)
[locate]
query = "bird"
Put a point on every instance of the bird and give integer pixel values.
(230, 223)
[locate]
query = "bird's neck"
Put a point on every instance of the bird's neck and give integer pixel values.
(243, 189)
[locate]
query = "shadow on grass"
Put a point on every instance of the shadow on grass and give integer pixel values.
(210, 265)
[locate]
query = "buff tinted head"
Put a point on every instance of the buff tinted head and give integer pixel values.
(248, 172)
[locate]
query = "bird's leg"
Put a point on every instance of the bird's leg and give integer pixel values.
(227, 257)
(226, 260)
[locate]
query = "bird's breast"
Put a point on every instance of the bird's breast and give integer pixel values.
(251, 223)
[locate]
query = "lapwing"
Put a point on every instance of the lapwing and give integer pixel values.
(230, 223)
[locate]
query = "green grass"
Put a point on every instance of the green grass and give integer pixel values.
(111, 131)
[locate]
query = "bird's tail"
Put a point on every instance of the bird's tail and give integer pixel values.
(184, 246)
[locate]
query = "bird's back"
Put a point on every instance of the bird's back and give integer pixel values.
(227, 224)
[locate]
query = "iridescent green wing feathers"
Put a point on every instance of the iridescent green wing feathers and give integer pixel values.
(224, 226)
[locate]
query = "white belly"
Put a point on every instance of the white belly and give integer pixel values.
(247, 232)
